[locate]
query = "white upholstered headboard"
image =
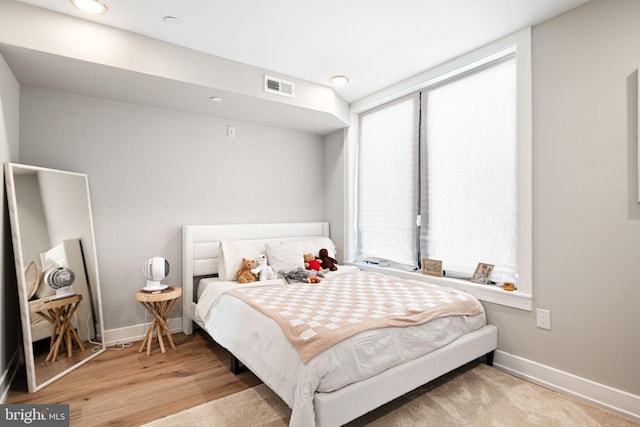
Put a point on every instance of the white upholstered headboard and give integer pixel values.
(200, 250)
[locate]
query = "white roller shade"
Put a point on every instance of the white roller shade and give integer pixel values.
(387, 191)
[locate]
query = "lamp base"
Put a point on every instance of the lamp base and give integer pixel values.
(62, 295)
(153, 285)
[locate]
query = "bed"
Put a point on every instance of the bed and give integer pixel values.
(351, 377)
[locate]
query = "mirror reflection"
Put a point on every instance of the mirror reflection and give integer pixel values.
(56, 267)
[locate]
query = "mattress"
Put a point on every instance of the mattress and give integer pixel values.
(259, 343)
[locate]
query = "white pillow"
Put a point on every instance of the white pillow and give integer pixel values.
(33, 277)
(314, 244)
(231, 252)
(55, 254)
(285, 256)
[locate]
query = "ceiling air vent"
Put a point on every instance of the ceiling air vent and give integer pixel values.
(279, 86)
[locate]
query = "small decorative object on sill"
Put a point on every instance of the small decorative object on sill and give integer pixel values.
(508, 286)
(482, 273)
(432, 267)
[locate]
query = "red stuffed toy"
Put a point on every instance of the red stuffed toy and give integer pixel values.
(311, 263)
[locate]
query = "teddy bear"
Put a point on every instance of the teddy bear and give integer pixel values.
(313, 279)
(311, 263)
(263, 270)
(326, 261)
(244, 274)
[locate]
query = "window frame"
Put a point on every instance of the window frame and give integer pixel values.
(520, 44)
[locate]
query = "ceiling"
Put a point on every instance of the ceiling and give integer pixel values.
(376, 43)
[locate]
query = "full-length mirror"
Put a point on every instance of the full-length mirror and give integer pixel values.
(57, 270)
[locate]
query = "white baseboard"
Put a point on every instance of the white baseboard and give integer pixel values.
(597, 394)
(137, 332)
(9, 373)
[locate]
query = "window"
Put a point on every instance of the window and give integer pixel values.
(445, 171)
(469, 191)
(388, 182)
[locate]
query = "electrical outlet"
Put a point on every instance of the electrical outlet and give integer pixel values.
(543, 318)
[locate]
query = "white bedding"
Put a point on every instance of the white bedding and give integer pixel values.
(259, 343)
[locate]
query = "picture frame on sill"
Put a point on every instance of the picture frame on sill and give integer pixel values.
(432, 267)
(482, 273)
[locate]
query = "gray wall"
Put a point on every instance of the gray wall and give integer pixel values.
(335, 163)
(10, 335)
(153, 170)
(33, 224)
(586, 213)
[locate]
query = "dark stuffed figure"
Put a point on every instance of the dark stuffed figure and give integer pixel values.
(326, 261)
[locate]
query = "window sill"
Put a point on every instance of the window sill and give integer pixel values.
(487, 293)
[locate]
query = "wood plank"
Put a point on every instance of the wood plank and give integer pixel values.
(126, 388)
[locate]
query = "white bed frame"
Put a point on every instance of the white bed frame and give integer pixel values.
(200, 258)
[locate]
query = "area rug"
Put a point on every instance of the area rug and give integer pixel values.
(475, 395)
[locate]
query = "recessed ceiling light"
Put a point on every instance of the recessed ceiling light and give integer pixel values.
(171, 20)
(90, 6)
(339, 80)
(215, 99)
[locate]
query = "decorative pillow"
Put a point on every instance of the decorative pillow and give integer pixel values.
(286, 256)
(55, 254)
(33, 276)
(231, 252)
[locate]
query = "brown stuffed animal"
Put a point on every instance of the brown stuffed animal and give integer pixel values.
(326, 261)
(244, 275)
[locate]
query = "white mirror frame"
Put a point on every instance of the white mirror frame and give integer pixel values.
(33, 383)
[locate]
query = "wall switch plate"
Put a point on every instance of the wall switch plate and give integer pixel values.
(231, 131)
(543, 318)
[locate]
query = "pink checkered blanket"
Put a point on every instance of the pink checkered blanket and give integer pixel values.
(315, 317)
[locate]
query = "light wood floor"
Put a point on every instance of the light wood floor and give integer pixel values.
(127, 388)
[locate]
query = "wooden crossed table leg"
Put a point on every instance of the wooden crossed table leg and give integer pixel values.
(160, 311)
(60, 314)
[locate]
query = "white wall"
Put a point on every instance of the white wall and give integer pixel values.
(152, 170)
(10, 336)
(586, 215)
